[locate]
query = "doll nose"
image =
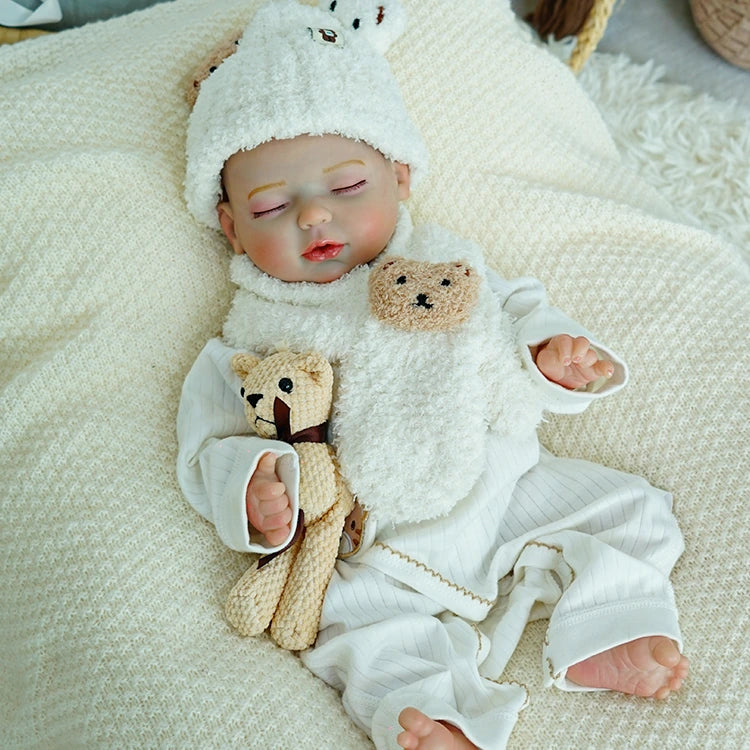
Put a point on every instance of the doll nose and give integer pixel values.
(312, 214)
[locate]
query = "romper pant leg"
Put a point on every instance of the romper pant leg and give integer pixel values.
(386, 647)
(592, 549)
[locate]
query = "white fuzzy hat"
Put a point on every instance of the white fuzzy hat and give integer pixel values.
(301, 70)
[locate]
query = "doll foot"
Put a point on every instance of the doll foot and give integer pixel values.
(422, 733)
(650, 667)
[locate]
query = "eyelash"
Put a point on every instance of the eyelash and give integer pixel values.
(350, 188)
(260, 214)
(337, 191)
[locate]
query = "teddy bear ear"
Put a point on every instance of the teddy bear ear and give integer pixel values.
(317, 366)
(244, 364)
(381, 22)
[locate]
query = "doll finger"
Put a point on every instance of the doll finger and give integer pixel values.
(603, 368)
(588, 359)
(267, 463)
(549, 363)
(273, 505)
(580, 348)
(564, 346)
(276, 536)
(555, 352)
(268, 490)
(278, 521)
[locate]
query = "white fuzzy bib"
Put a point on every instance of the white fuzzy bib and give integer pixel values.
(411, 408)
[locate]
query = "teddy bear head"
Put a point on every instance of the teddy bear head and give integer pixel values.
(417, 295)
(285, 393)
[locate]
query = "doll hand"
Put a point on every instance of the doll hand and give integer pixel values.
(269, 509)
(569, 362)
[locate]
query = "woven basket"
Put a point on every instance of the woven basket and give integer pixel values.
(11, 35)
(725, 26)
(591, 33)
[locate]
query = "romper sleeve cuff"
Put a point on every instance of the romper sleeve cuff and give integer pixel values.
(544, 323)
(231, 516)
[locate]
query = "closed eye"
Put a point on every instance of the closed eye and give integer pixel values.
(269, 211)
(349, 188)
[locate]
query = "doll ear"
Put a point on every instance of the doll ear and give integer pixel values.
(244, 364)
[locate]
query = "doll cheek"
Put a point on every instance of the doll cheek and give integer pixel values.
(373, 224)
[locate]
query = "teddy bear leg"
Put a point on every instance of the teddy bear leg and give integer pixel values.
(254, 598)
(295, 624)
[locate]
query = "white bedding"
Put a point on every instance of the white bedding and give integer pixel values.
(113, 588)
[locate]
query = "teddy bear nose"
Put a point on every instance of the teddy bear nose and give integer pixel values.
(422, 301)
(253, 398)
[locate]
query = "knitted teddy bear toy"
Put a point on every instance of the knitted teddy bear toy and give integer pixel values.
(288, 397)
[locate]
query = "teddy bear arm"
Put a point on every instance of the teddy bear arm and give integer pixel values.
(295, 624)
(317, 483)
(255, 597)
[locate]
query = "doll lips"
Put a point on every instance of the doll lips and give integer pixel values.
(323, 250)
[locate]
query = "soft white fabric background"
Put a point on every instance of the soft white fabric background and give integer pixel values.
(112, 632)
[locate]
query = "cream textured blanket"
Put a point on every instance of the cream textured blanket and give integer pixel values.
(112, 587)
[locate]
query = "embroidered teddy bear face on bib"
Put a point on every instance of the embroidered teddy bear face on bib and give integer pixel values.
(422, 296)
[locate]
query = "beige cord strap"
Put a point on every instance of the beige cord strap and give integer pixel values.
(591, 33)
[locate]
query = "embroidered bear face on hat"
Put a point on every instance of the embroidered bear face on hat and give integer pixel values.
(381, 23)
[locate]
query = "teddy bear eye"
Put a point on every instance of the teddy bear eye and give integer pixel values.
(401, 280)
(355, 23)
(332, 6)
(242, 392)
(445, 282)
(286, 385)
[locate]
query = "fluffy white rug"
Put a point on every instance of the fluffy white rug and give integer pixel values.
(691, 147)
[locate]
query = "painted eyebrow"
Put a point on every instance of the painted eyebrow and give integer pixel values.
(343, 164)
(265, 187)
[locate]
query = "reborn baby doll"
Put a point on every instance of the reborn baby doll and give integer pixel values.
(301, 151)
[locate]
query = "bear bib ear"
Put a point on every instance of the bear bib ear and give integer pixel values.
(380, 23)
(244, 364)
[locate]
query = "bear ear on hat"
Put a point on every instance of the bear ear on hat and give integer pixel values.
(380, 22)
(226, 48)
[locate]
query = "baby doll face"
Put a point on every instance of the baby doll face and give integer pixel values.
(311, 208)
